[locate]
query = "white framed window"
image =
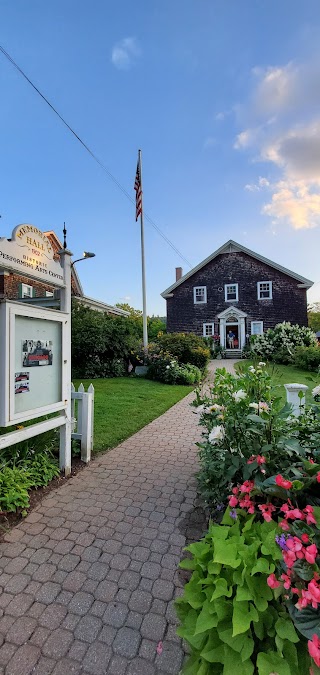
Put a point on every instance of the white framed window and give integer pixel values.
(26, 291)
(256, 327)
(49, 294)
(208, 329)
(199, 295)
(264, 290)
(231, 293)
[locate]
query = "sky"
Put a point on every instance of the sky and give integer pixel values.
(223, 98)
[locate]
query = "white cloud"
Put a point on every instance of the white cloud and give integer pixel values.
(209, 142)
(125, 53)
(283, 128)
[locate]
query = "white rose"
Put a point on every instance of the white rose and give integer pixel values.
(251, 369)
(239, 395)
(255, 406)
(217, 434)
(316, 391)
(261, 364)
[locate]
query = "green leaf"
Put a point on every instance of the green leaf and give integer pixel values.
(262, 565)
(222, 589)
(188, 564)
(199, 549)
(297, 485)
(285, 630)
(306, 621)
(231, 659)
(206, 619)
(316, 511)
(303, 570)
(215, 655)
(226, 554)
(243, 614)
(272, 662)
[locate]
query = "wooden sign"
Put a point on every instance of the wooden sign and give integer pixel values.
(29, 252)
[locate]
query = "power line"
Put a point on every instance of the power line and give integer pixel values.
(96, 159)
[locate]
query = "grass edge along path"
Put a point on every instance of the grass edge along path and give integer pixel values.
(124, 405)
(282, 375)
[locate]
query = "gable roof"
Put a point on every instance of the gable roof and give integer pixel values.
(233, 247)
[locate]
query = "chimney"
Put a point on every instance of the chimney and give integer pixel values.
(179, 273)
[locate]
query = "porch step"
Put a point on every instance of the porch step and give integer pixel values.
(233, 353)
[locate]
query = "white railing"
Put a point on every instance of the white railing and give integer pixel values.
(82, 414)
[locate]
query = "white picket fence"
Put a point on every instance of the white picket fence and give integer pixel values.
(82, 412)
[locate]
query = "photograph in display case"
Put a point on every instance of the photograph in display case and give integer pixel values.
(36, 353)
(22, 383)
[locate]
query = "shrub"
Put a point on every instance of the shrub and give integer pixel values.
(278, 344)
(186, 348)
(101, 344)
(307, 358)
(230, 616)
(165, 369)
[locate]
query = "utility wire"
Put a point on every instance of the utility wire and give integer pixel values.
(96, 159)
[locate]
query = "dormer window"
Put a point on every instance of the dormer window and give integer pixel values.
(264, 290)
(231, 292)
(199, 295)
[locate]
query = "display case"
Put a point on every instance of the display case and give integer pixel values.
(32, 358)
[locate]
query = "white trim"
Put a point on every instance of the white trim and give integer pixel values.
(99, 305)
(261, 324)
(233, 246)
(198, 288)
(231, 310)
(259, 290)
(204, 329)
(226, 286)
(23, 290)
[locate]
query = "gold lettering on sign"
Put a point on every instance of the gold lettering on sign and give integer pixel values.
(43, 245)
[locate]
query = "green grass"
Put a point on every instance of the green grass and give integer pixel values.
(124, 405)
(288, 374)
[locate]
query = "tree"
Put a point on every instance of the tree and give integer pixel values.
(314, 316)
(156, 324)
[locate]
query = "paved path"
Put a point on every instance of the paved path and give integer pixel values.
(88, 579)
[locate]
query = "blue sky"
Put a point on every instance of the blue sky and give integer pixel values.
(222, 97)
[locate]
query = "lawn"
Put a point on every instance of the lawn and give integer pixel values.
(124, 405)
(288, 374)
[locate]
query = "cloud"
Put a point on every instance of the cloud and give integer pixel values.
(209, 142)
(281, 123)
(125, 53)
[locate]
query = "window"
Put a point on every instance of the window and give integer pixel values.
(256, 327)
(264, 290)
(231, 292)
(208, 329)
(25, 291)
(49, 294)
(199, 294)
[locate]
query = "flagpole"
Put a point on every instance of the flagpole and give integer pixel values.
(143, 268)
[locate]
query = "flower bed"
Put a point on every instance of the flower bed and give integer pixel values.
(254, 595)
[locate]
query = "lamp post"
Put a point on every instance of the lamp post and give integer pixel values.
(86, 255)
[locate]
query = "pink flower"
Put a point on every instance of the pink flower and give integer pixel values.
(314, 649)
(267, 510)
(287, 581)
(235, 491)
(272, 581)
(283, 482)
(289, 558)
(251, 459)
(311, 553)
(294, 544)
(318, 477)
(233, 501)
(261, 459)
(305, 538)
(314, 590)
(310, 517)
(284, 525)
(247, 486)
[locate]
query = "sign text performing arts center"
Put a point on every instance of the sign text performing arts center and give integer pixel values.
(32, 255)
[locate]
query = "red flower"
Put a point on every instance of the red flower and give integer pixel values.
(284, 525)
(247, 486)
(310, 517)
(314, 591)
(233, 501)
(267, 510)
(305, 538)
(311, 553)
(272, 581)
(314, 649)
(261, 459)
(287, 581)
(318, 477)
(283, 482)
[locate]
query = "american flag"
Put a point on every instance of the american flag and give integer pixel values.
(137, 187)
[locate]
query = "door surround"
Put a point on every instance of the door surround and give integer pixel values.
(232, 316)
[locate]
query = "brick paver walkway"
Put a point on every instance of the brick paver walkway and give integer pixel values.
(88, 579)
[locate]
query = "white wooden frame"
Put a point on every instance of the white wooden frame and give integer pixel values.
(261, 323)
(226, 286)
(259, 289)
(197, 288)
(9, 310)
(204, 329)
